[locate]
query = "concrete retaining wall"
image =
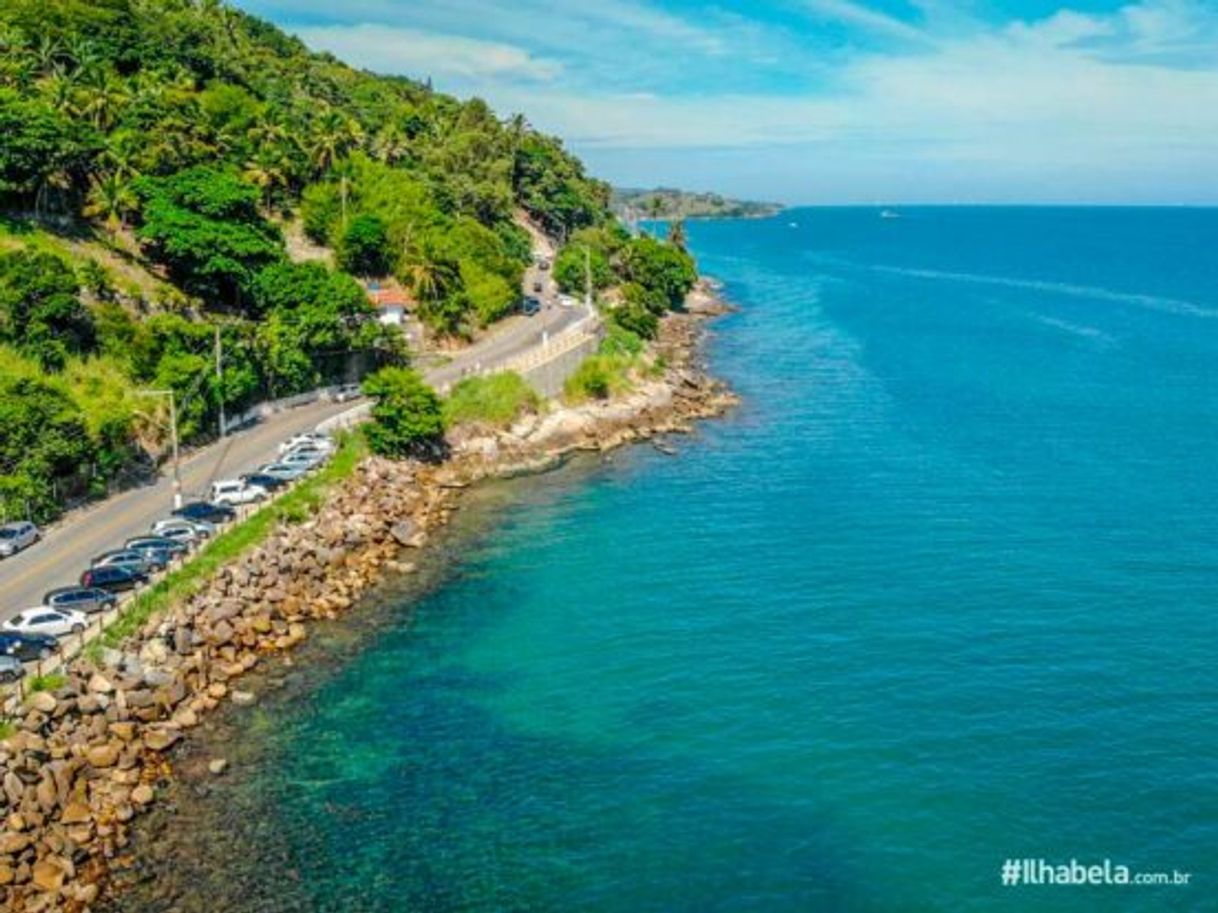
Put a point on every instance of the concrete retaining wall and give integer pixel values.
(547, 377)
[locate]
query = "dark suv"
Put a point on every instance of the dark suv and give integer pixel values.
(113, 578)
(28, 646)
(87, 599)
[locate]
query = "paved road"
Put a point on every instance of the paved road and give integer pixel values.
(67, 549)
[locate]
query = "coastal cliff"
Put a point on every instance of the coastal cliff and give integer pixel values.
(93, 753)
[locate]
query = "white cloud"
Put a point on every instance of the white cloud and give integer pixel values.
(859, 16)
(412, 52)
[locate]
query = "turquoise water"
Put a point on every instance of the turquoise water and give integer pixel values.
(940, 593)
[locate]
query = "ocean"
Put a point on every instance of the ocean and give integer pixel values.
(939, 594)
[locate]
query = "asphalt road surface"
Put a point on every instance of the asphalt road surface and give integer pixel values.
(67, 548)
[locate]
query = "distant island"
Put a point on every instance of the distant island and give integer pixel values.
(670, 203)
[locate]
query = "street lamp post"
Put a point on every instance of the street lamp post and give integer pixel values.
(173, 435)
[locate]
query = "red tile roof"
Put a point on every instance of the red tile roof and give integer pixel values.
(389, 296)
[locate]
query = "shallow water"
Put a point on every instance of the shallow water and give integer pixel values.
(940, 593)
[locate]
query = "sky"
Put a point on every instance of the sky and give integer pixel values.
(827, 101)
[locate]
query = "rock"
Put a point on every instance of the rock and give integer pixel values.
(76, 813)
(243, 698)
(49, 873)
(7, 874)
(217, 766)
(142, 794)
(102, 755)
(99, 684)
(43, 701)
(403, 532)
(124, 730)
(12, 844)
(161, 739)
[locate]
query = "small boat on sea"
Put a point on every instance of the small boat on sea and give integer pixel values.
(889, 214)
(664, 447)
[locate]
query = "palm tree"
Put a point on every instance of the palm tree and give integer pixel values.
(101, 98)
(345, 172)
(390, 145)
(430, 279)
(333, 136)
(57, 87)
(676, 233)
(265, 171)
(110, 198)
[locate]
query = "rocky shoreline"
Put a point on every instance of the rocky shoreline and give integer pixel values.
(90, 756)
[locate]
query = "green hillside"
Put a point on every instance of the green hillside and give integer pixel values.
(151, 153)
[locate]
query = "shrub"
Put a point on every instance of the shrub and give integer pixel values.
(498, 399)
(406, 416)
(598, 377)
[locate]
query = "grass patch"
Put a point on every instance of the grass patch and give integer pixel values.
(7, 729)
(51, 682)
(298, 504)
(497, 399)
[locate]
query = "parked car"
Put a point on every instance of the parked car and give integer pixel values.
(113, 578)
(133, 558)
(287, 473)
(87, 599)
(174, 548)
(202, 510)
(314, 439)
(538, 288)
(27, 646)
(43, 620)
(308, 458)
(11, 669)
(348, 392)
(262, 480)
(16, 536)
(530, 305)
(543, 264)
(235, 491)
(183, 529)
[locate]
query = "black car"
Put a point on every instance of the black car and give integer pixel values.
(87, 599)
(113, 578)
(170, 548)
(203, 510)
(262, 480)
(28, 646)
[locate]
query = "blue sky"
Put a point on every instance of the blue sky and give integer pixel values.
(828, 101)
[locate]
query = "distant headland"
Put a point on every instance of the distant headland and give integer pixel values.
(669, 203)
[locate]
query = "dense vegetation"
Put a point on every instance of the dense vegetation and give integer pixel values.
(407, 416)
(192, 138)
(648, 277)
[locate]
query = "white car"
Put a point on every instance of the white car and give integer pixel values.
(16, 536)
(311, 439)
(234, 491)
(183, 529)
(44, 620)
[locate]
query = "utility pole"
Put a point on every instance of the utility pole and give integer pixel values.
(173, 434)
(587, 278)
(220, 377)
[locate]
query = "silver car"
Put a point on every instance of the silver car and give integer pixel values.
(10, 668)
(16, 536)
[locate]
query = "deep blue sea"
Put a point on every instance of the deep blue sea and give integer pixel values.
(941, 592)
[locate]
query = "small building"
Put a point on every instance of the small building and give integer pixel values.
(391, 302)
